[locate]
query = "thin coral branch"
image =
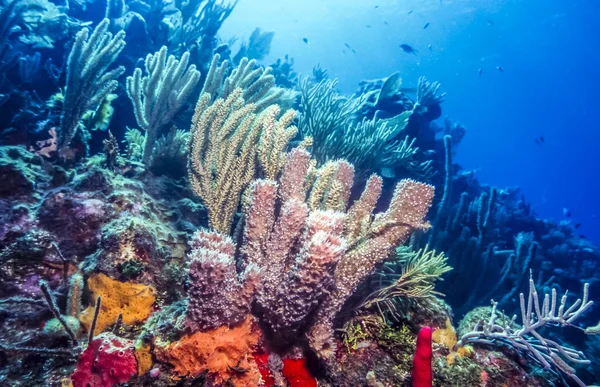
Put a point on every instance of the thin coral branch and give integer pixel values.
(527, 339)
(95, 320)
(54, 309)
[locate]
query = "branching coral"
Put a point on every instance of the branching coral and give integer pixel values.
(368, 144)
(374, 240)
(527, 339)
(223, 149)
(88, 81)
(255, 81)
(294, 285)
(427, 94)
(158, 96)
(258, 46)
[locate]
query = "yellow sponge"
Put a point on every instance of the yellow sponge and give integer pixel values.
(133, 301)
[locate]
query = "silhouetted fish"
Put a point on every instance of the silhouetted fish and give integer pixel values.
(305, 40)
(542, 139)
(489, 22)
(408, 49)
(566, 212)
(347, 45)
(426, 25)
(386, 23)
(538, 142)
(368, 26)
(500, 68)
(409, 12)
(430, 47)
(480, 72)
(577, 226)
(376, 6)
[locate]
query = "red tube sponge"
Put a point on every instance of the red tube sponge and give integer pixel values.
(421, 372)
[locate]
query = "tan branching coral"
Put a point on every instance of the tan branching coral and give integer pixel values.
(224, 137)
(223, 151)
(257, 83)
(274, 140)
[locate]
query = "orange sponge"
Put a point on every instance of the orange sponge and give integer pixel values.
(133, 301)
(225, 352)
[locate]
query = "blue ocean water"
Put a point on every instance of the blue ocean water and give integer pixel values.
(549, 86)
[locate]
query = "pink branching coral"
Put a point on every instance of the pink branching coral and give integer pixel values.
(217, 295)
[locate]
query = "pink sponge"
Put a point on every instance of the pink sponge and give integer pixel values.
(107, 361)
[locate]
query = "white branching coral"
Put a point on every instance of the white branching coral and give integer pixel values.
(527, 339)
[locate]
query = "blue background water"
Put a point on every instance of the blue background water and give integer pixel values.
(550, 86)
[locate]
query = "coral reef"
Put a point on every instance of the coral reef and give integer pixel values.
(228, 225)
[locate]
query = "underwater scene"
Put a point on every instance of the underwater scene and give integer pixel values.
(332, 193)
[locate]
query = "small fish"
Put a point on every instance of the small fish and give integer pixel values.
(582, 236)
(430, 47)
(347, 45)
(386, 23)
(542, 139)
(376, 6)
(305, 40)
(500, 68)
(566, 212)
(368, 26)
(577, 226)
(409, 12)
(480, 72)
(489, 22)
(426, 25)
(408, 49)
(537, 141)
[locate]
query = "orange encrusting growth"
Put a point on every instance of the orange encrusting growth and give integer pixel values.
(133, 301)
(226, 353)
